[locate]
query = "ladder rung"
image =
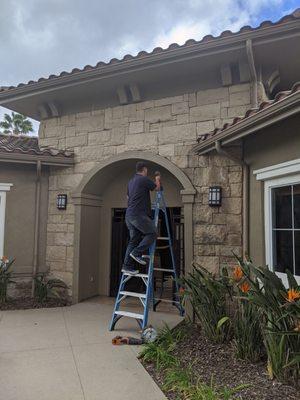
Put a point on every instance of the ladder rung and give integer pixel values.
(130, 314)
(164, 270)
(167, 301)
(133, 294)
(162, 238)
(136, 275)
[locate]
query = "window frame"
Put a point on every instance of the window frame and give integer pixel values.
(4, 187)
(269, 185)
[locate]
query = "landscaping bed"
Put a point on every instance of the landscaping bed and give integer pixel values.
(248, 345)
(25, 303)
(215, 365)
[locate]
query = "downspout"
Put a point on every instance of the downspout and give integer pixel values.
(253, 74)
(245, 232)
(37, 222)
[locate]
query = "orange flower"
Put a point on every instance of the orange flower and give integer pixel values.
(245, 287)
(181, 291)
(292, 295)
(4, 259)
(237, 273)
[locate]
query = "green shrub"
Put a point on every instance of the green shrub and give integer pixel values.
(5, 277)
(45, 288)
(248, 340)
(208, 295)
(280, 310)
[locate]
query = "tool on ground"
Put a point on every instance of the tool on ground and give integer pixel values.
(148, 335)
(147, 297)
(120, 340)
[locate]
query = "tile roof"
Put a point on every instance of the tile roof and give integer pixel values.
(20, 144)
(251, 112)
(158, 50)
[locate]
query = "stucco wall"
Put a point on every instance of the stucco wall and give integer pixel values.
(20, 216)
(277, 144)
(168, 127)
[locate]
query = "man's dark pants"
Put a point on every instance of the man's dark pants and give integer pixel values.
(142, 233)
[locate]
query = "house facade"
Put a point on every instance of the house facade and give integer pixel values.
(154, 107)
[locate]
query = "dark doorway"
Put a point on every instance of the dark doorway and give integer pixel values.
(119, 244)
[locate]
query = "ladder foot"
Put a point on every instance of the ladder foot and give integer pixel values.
(113, 322)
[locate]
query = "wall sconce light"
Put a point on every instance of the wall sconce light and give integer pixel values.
(61, 202)
(215, 196)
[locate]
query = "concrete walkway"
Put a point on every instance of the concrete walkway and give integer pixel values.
(66, 354)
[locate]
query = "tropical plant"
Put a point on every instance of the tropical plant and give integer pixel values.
(45, 288)
(16, 124)
(248, 341)
(5, 277)
(280, 311)
(208, 295)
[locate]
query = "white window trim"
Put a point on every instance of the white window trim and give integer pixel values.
(4, 187)
(279, 175)
(275, 171)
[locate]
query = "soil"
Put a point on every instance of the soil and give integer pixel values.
(25, 303)
(212, 362)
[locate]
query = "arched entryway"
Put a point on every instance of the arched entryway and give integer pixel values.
(101, 192)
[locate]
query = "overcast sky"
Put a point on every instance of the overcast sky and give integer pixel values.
(43, 37)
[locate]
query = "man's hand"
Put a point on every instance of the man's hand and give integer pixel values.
(157, 181)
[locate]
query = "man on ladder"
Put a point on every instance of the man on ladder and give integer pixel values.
(143, 236)
(142, 230)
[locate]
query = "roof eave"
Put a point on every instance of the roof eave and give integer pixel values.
(222, 44)
(278, 111)
(33, 159)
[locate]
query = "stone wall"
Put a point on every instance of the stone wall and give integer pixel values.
(168, 127)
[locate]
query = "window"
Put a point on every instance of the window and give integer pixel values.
(282, 217)
(4, 187)
(286, 228)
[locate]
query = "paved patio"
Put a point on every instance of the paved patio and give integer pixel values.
(66, 354)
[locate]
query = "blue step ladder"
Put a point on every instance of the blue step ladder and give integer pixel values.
(148, 298)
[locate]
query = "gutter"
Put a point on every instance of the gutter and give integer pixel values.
(37, 223)
(245, 232)
(18, 158)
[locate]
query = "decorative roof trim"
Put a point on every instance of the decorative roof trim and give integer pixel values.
(191, 45)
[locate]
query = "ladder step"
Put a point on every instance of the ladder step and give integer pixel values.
(162, 238)
(164, 270)
(130, 314)
(133, 294)
(167, 300)
(136, 275)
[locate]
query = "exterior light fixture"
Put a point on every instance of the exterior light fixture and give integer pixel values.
(61, 202)
(215, 196)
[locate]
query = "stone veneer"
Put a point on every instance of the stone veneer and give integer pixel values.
(168, 127)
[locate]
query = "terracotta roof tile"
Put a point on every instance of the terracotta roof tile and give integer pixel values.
(20, 144)
(128, 57)
(252, 111)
